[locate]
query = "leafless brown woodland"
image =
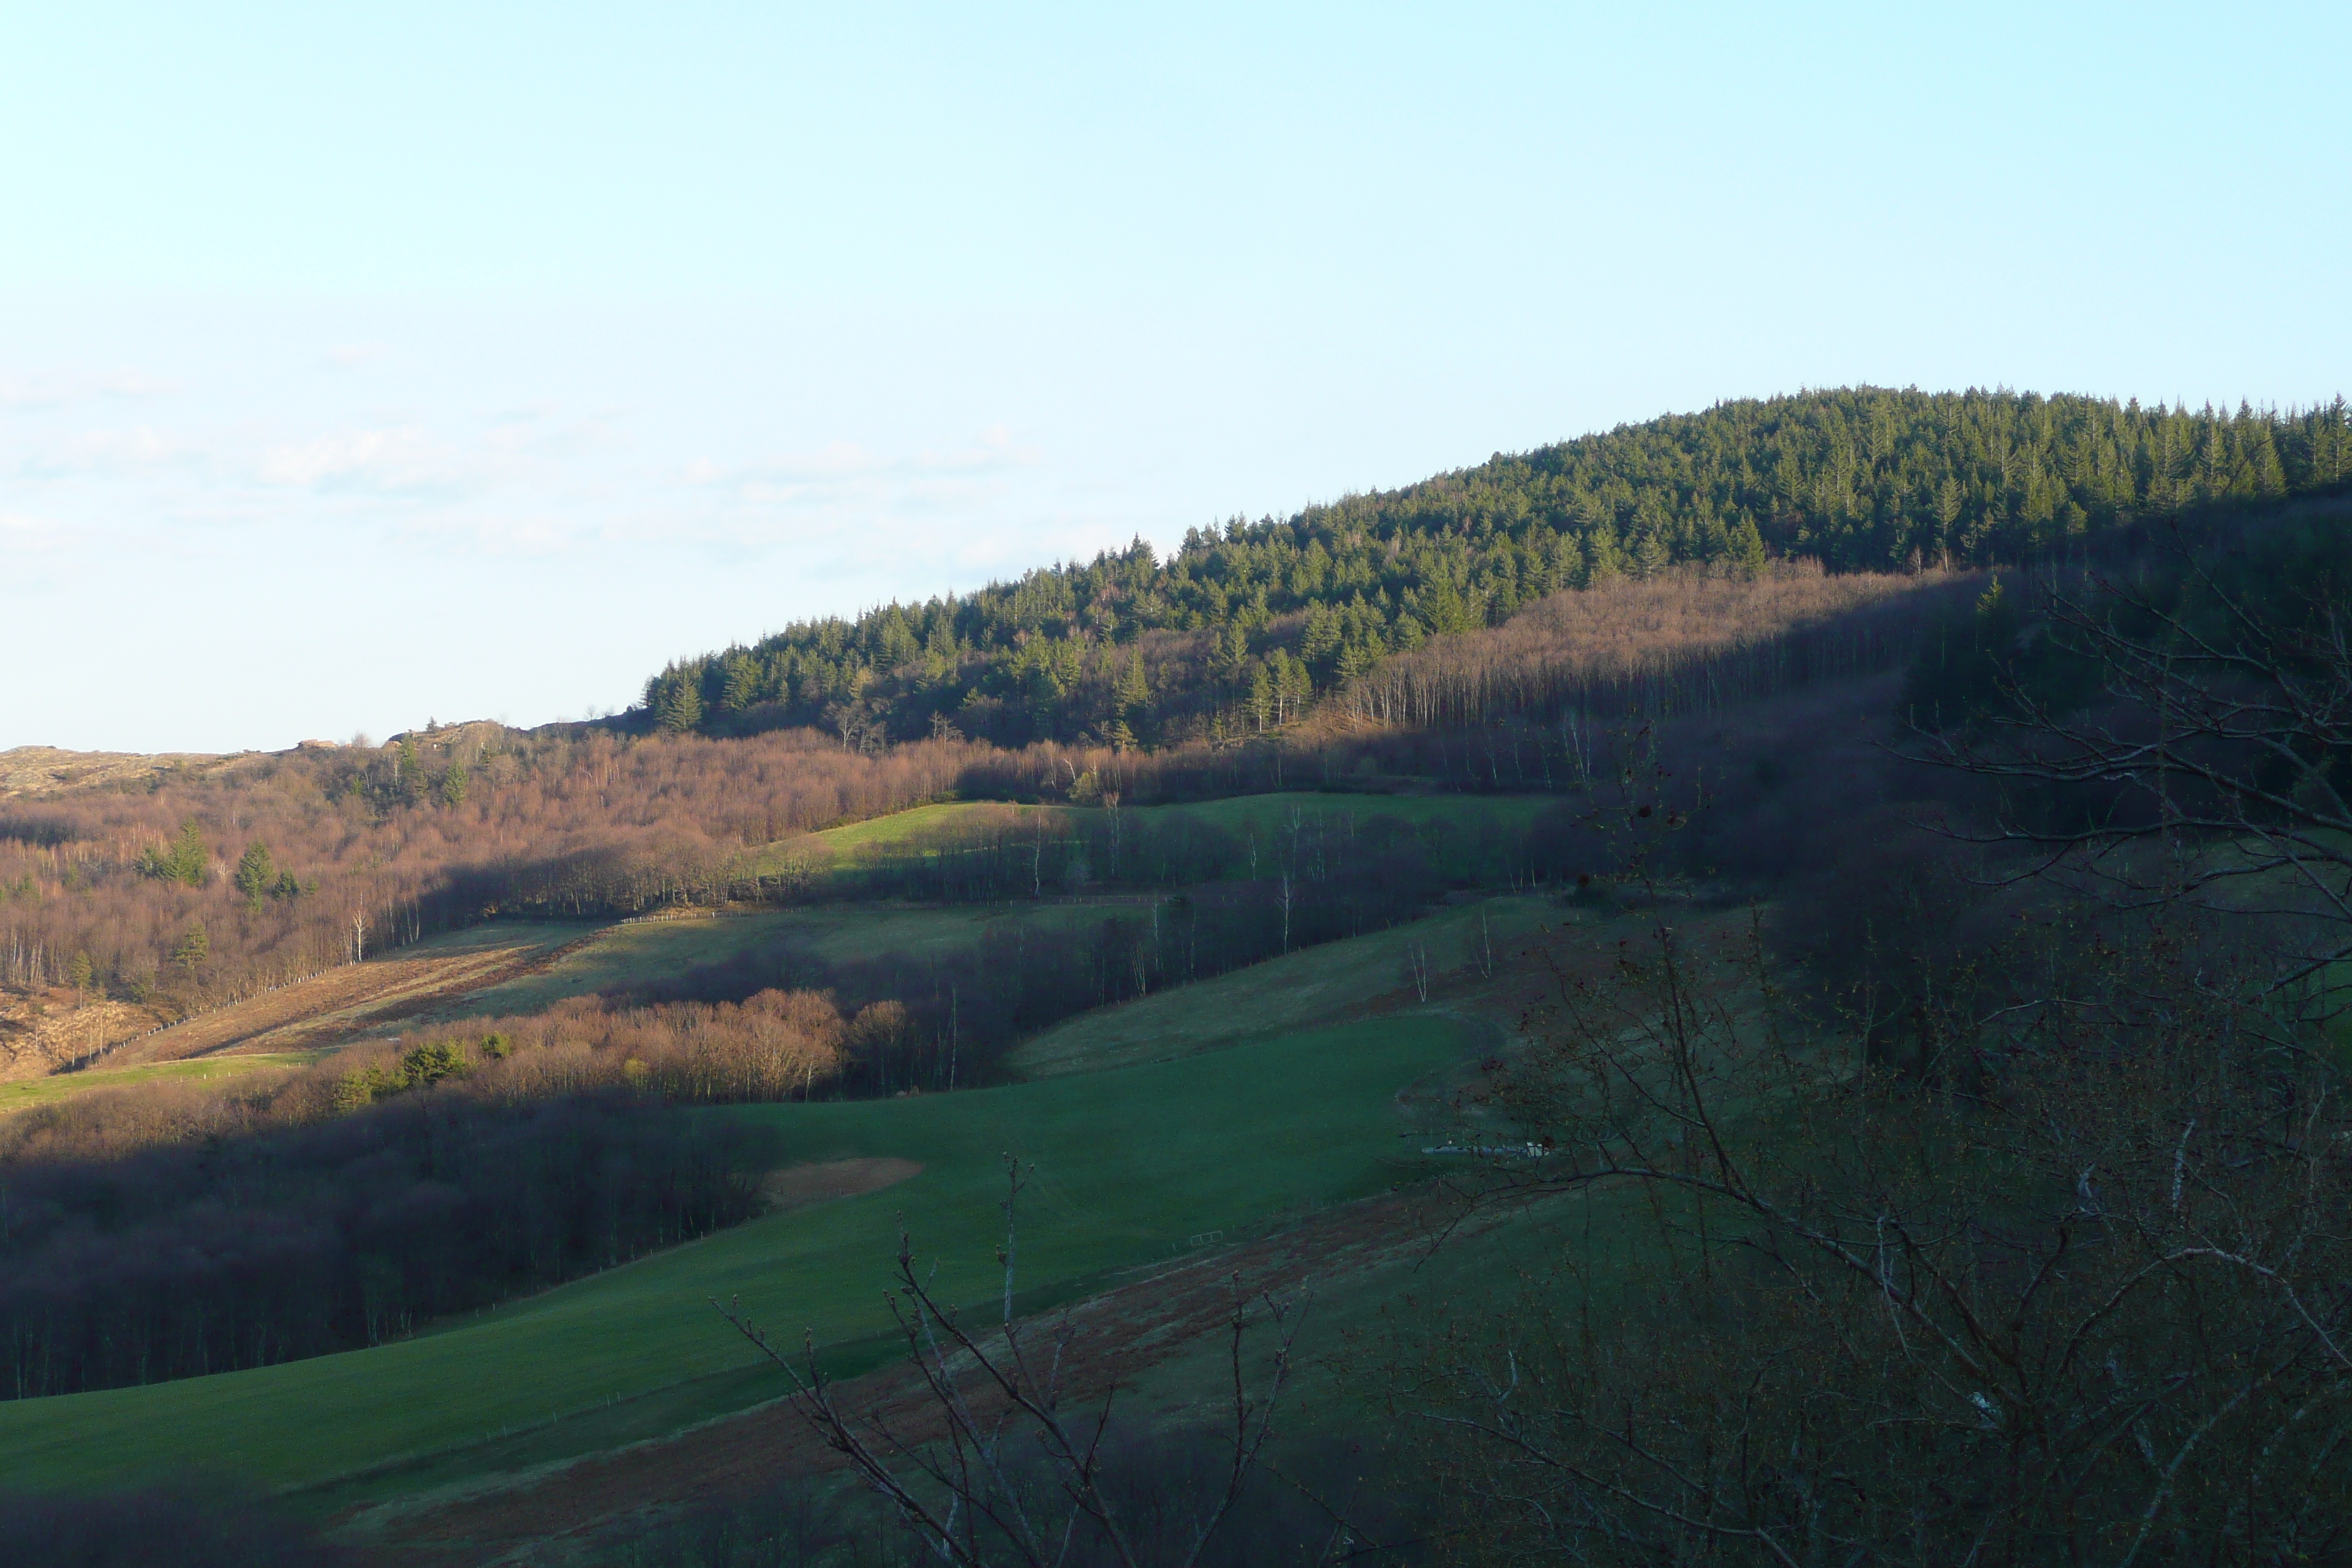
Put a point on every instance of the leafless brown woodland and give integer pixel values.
(1693, 640)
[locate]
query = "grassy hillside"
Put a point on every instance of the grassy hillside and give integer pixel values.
(23, 1096)
(1293, 992)
(624, 958)
(1461, 832)
(1464, 834)
(1231, 1098)
(1130, 1163)
(619, 957)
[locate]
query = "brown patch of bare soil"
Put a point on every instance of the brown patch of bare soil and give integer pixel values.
(330, 1008)
(799, 1186)
(42, 1031)
(1114, 1337)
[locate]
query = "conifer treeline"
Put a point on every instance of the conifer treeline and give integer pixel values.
(1135, 676)
(1246, 625)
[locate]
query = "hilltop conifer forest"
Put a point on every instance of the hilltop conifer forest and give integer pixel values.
(1247, 626)
(1758, 988)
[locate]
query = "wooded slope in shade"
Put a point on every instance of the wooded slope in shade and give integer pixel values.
(1247, 624)
(1683, 641)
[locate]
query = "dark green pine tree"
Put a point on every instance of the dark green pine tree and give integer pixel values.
(1747, 547)
(1133, 696)
(181, 860)
(680, 707)
(1260, 695)
(255, 874)
(195, 946)
(743, 685)
(1651, 556)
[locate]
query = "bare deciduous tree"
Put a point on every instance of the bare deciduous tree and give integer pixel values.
(2184, 738)
(1007, 1460)
(2074, 1293)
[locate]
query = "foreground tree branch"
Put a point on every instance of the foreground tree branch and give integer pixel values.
(2051, 1300)
(1005, 1461)
(2208, 720)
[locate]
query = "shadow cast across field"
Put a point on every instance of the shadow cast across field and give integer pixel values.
(1129, 1164)
(1145, 1323)
(1320, 985)
(1468, 834)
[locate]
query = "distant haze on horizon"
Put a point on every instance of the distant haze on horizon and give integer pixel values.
(366, 364)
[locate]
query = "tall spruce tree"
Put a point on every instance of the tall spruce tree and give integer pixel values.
(195, 946)
(681, 706)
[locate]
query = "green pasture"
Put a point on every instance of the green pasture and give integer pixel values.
(900, 825)
(861, 930)
(821, 849)
(499, 934)
(203, 1070)
(623, 957)
(1293, 992)
(1269, 815)
(1471, 839)
(1131, 1164)
(1468, 836)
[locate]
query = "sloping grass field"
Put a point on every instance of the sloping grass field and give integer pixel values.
(330, 1007)
(1131, 1163)
(1201, 1111)
(1266, 815)
(615, 957)
(625, 956)
(27, 1093)
(1467, 835)
(1293, 992)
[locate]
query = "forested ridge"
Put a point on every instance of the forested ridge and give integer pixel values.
(196, 886)
(1935, 995)
(1246, 627)
(1440, 633)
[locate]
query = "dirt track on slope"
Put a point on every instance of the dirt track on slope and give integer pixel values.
(352, 999)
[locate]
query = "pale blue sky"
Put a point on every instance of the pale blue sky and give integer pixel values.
(361, 364)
